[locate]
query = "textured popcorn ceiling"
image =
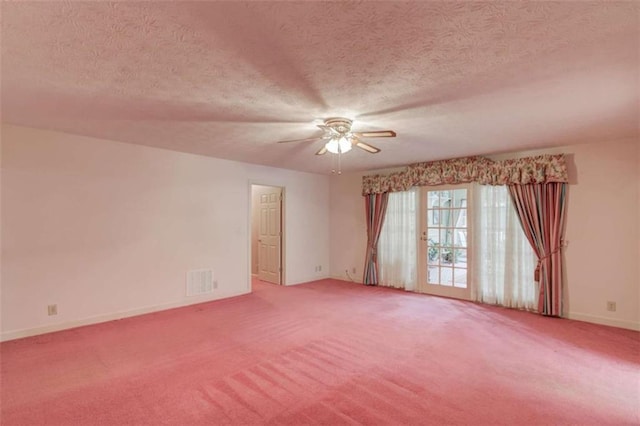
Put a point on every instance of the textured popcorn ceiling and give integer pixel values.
(230, 79)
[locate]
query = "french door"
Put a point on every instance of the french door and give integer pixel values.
(444, 246)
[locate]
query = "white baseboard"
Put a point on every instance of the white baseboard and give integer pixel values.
(345, 278)
(630, 325)
(309, 280)
(27, 332)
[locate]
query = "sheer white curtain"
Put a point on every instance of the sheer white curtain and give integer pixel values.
(504, 261)
(398, 242)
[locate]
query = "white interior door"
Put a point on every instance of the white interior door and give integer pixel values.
(270, 235)
(445, 241)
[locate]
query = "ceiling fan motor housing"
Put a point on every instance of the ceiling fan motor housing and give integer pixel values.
(340, 125)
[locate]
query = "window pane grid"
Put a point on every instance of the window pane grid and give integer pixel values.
(447, 238)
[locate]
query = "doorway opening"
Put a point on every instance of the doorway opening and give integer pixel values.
(266, 234)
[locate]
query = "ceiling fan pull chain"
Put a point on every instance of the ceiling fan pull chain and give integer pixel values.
(333, 165)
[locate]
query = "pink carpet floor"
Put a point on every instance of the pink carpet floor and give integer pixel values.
(327, 352)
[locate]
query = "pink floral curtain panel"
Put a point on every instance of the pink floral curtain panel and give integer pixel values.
(376, 209)
(540, 169)
(541, 209)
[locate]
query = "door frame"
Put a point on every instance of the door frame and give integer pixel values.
(283, 251)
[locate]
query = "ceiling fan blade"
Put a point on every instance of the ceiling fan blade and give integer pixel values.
(376, 134)
(302, 140)
(367, 147)
(322, 150)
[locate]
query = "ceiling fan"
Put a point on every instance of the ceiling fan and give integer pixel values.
(340, 138)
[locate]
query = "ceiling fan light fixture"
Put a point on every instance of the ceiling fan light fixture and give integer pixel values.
(333, 146)
(338, 145)
(344, 144)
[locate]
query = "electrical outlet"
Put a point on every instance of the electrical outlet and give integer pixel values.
(353, 270)
(611, 306)
(319, 268)
(52, 310)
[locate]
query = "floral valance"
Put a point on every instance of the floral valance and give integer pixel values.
(522, 171)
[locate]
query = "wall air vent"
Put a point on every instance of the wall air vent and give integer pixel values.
(199, 281)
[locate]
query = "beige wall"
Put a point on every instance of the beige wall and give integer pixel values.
(348, 226)
(603, 233)
(106, 229)
(603, 222)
